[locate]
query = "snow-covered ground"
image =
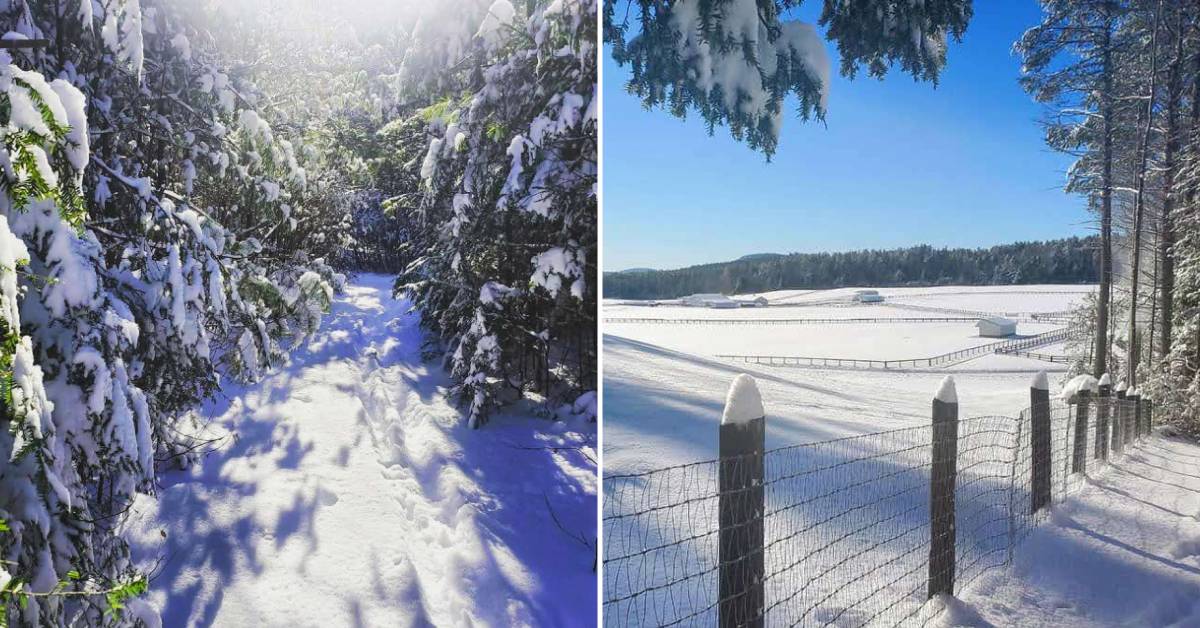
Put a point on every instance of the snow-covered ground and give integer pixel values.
(349, 492)
(1122, 550)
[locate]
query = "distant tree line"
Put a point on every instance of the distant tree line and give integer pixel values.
(1071, 260)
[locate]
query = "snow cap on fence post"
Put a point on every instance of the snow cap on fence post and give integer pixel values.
(1079, 384)
(947, 393)
(1106, 380)
(1040, 381)
(743, 403)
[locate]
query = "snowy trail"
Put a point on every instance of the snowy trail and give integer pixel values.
(352, 494)
(1123, 551)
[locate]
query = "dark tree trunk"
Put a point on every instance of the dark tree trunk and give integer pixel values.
(1166, 240)
(1139, 207)
(1104, 298)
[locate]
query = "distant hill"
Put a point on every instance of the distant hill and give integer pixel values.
(637, 270)
(1070, 260)
(759, 256)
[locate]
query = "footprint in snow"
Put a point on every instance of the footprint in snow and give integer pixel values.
(327, 497)
(1189, 548)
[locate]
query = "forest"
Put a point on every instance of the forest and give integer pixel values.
(1071, 260)
(1120, 84)
(186, 188)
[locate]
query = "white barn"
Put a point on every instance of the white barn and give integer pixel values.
(713, 300)
(996, 327)
(867, 296)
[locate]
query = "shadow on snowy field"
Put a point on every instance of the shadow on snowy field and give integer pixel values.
(205, 535)
(677, 402)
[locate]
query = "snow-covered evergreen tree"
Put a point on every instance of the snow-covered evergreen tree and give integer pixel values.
(735, 61)
(172, 235)
(502, 219)
(78, 440)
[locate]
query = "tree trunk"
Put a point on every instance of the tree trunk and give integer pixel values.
(1194, 144)
(1106, 185)
(1166, 239)
(1139, 205)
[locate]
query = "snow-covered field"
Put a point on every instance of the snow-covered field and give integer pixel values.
(663, 389)
(862, 341)
(617, 311)
(1031, 298)
(838, 303)
(349, 492)
(999, 301)
(662, 406)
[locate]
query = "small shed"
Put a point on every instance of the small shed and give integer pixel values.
(996, 327)
(755, 302)
(867, 296)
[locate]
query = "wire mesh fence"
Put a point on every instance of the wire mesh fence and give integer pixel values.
(847, 532)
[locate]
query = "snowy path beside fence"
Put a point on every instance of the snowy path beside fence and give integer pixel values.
(1122, 551)
(351, 493)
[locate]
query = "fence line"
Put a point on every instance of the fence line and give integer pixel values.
(908, 295)
(1025, 317)
(1028, 317)
(783, 321)
(860, 530)
(945, 359)
(1044, 357)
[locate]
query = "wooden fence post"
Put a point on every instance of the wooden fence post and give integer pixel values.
(1079, 459)
(1136, 409)
(942, 481)
(1103, 409)
(741, 506)
(1039, 435)
(1118, 437)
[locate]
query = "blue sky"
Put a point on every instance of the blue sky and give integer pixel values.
(897, 163)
